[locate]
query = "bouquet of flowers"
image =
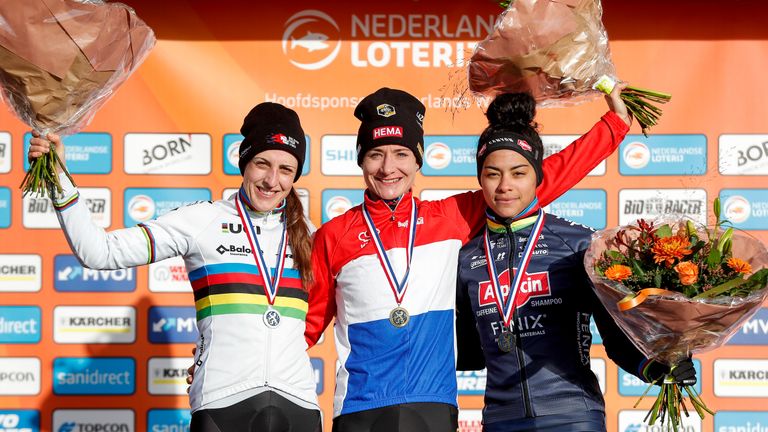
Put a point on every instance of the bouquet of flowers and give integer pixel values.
(677, 289)
(60, 61)
(557, 50)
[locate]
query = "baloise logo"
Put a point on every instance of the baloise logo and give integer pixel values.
(306, 40)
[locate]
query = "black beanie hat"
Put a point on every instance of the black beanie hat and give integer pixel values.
(531, 148)
(271, 126)
(390, 116)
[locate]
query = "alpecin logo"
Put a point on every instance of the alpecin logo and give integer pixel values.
(533, 285)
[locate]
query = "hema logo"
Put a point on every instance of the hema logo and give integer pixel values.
(19, 324)
(95, 420)
(94, 376)
(741, 421)
(172, 324)
(471, 382)
(19, 421)
(94, 324)
(71, 276)
(311, 39)
(19, 376)
(168, 420)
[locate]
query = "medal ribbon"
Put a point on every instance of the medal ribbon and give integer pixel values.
(506, 305)
(271, 283)
(398, 287)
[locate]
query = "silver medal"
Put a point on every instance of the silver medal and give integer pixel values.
(506, 341)
(272, 318)
(399, 317)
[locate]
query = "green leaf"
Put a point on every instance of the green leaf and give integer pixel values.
(714, 259)
(664, 231)
(720, 289)
(615, 255)
(636, 269)
(657, 279)
(716, 206)
(726, 237)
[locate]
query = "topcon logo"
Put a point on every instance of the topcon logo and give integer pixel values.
(311, 40)
(97, 420)
(636, 155)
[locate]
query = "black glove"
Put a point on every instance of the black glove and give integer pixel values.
(684, 373)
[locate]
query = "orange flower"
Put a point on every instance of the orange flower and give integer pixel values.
(618, 272)
(668, 249)
(688, 272)
(739, 266)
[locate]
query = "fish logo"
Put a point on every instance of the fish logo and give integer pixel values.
(233, 153)
(337, 206)
(306, 40)
(438, 155)
(636, 155)
(141, 208)
(737, 209)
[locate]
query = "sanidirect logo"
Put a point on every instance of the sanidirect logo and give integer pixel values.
(172, 324)
(743, 154)
(651, 203)
(449, 155)
(630, 385)
(339, 155)
(98, 420)
(19, 376)
(741, 421)
(71, 276)
(754, 331)
(169, 275)
(168, 375)
(20, 273)
(555, 143)
(168, 420)
(94, 324)
(337, 201)
(5, 207)
(19, 421)
(87, 152)
(147, 153)
(38, 212)
(94, 376)
(584, 206)
(5, 152)
(741, 378)
(663, 155)
(147, 203)
(746, 208)
(231, 148)
(634, 421)
(20, 324)
(471, 382)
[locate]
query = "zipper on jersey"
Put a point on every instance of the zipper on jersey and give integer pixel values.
(516, 325)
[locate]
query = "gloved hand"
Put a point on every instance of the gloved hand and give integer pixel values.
(683, 374)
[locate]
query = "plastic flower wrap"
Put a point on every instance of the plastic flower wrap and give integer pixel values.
(558, 51)
(61, 60)
(677, 289)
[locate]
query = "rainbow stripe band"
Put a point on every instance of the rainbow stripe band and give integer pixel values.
(68, 203)
(151, 255)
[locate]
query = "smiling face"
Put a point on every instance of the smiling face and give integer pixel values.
(268, 178)
(508, 181)
(389, 170)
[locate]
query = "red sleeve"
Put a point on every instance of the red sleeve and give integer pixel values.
(466, 211)
(322, 294)
(564, 169)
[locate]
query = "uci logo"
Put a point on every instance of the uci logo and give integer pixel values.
(306, 40)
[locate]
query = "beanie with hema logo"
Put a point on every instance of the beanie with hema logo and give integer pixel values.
(271, 126)
(390, 116)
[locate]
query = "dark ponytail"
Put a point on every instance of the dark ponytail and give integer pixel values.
(299, 237)
(512, 112)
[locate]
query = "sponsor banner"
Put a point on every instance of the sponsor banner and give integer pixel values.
(555, 143)
(598, 368)
(339, 155)
(19, 421)
(471, 382)
(585, 206)
(150, 153)
(637, 204)
(634, 421)
(86, 152)
(168, 420)
(19, 324)
(337, 201)
(38, 212)
(596, 338)
(450, 155)
(741, 378)
(630, 385)
(94, 324)
(20, 273)
(169, 275)
(746, 209)
(5, 152)
(317, 371)
(94, 376)
(168, 375)
(438, 194)
(5, 207)
(663, 155)
(71, 276)
(95, 420)
(19, 376)
(231, 157)
(143, 204)
(754, 331)
(172, 324)
(470, 420)
(741, 421)
(743, 154)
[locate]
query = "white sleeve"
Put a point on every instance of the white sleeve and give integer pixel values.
(95, 248)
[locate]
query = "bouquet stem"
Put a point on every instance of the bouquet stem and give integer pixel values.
(638, 101)
(42, 179)
(669, 405)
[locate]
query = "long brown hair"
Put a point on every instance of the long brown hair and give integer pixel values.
(299, 237)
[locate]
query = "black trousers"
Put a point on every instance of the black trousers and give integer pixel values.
(265, 412)
(411, 417)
